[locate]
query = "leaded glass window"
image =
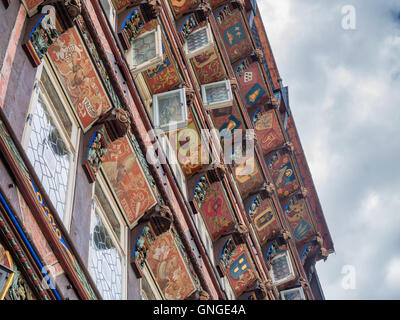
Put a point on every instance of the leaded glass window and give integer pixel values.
(107, 245)
(145, 51)
(199, 41)
(217, 94)
(105, 262)
(49, 155)
(281, 268)
(293, 294)
(50, 140)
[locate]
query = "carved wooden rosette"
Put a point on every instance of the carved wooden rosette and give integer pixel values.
(154, 223)
(109, 127)
(281, 238)
(73, 7)
(271, 104)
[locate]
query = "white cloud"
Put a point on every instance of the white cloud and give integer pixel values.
(393, 273)
(343, 89)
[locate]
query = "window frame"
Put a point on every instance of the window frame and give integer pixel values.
(290, 277)
(220, 104)
(113, 13)
(299, 289)
(184, 108)
(72, 142)
(208, 46)
(171, 157)
(120, 245)
(148, 275)
(154, 61)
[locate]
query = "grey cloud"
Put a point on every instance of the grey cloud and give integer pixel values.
(358, 123)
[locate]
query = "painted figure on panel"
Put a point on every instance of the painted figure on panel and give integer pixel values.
(168, 268)
(286, 175)
(127, 179)
(78, 75)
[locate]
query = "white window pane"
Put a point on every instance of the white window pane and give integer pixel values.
(49, 156)
(217, 93)
(170, 109)
(144, 49)
(105, 263)
(197, 40)
(280, 268)
(293, 295)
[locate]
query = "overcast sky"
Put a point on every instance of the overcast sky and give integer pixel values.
(344, 88)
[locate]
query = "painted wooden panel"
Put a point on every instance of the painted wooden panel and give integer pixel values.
(267, 129)
(226, 120)
(79, 78)
(283, 174)
(265, 221)
(187, 143)
(252, 86)
(165, 76)
(32, 5)
(179, 7)
(208, 67)
(120, 5)
(169, 269)
(216, 211)
(233, 33)
(248, 176)
(298, 217)
(128, 180)
(240, 270)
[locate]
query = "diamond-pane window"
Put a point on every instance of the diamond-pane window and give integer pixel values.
(50, 139)
(105, 262)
